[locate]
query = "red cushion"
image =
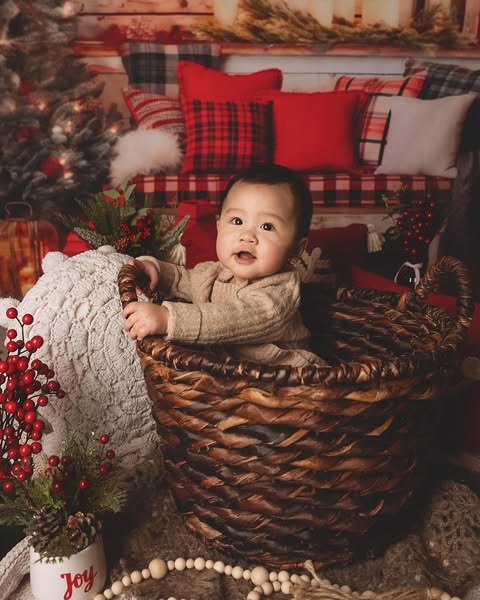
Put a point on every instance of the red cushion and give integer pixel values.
(315, 131)
(152, 111)
(225, 136)
(345, 246)
(197, 81)
(200, 234)
(375, 117)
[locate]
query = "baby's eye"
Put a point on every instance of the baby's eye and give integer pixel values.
(236, 221)
(267, 226)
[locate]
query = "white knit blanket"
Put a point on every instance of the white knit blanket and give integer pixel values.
(76, 309)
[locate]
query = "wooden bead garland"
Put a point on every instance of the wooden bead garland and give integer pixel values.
(266, 583)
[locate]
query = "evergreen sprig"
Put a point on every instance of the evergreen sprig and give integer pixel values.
(276, 22)
(80, 480)
(112, 217)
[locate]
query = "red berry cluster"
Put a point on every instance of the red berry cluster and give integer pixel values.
(143, 227)
(417, 224)
(25, 386)
(68, 478)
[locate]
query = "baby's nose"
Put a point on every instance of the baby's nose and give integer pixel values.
(247, 235)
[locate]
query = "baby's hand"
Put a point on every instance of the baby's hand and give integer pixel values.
(149, 269)
(145, 318)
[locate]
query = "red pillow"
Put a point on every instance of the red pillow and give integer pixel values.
(226, 136)
(345, 246)
(152, 111)
(315, 131)
(197, 81)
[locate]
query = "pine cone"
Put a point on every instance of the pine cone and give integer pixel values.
(46, 524)
(121, 244)
(82, 529)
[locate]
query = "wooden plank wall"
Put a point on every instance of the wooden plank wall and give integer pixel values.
(99, 21)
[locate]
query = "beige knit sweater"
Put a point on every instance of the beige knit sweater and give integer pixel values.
(257, 321)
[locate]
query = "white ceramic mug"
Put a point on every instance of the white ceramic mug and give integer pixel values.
(79, 577)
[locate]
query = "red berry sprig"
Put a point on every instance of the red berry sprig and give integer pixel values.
(416, 223)
(26, 385)
(72, 476)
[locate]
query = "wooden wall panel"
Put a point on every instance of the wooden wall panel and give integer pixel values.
(95, 27)
(143, 6)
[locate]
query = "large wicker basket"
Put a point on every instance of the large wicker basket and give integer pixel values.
(280, 464)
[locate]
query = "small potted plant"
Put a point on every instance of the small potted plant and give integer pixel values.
(58, 500)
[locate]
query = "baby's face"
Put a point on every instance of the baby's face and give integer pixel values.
(257, 230)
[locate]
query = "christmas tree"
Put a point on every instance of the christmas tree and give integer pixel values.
(55, 138)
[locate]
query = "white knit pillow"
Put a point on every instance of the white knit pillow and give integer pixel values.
(76, 309)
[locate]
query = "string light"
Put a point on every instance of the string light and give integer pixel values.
(77, 107)
(42, 105)
(67, 175)
(114, 128)
(68, 9)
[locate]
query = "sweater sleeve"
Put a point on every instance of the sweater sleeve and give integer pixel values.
(174, 280)
(256, 313)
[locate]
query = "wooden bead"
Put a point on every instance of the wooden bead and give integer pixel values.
(171, 565)
(199, 563)
(305, 578)
(286, 587)
(346, 589)
(259, 575)
(99, 597)
(435, 592)
(228, 569)
(136, 577)
(180, 564)
(127, 580)
(445, 595)
(295, 578)
(190, 563)
(108, 594)
(117, 587)
(254, 596)
(219, 566)
(158, 568)
(247, 574)
(283, 576)
(209, 564)
(276, 586)
(146, 574)
(237, 572)
(267, 588)
(273, 576)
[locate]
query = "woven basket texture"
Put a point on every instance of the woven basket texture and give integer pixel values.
(281, 464)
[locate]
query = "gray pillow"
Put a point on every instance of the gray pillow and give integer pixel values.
(424, 136)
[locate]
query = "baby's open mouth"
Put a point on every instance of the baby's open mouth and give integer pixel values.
(245, 256)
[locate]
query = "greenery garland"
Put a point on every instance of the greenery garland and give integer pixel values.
(270, 22)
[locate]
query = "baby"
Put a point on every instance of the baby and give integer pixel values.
(248, 302)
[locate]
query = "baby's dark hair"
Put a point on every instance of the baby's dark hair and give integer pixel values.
(276, 175)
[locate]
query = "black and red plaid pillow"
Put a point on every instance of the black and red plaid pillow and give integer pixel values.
(226, 136)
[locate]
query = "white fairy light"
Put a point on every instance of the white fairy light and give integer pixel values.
(68, 9)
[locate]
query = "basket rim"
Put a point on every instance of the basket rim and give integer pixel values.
(188, 358)
(446, 355)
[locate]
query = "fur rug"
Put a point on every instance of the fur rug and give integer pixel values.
(442, 550)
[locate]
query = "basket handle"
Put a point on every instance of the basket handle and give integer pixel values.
(131, 277)
(427, 284)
